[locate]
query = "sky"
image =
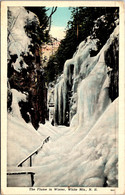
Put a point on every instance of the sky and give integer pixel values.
(59, 21)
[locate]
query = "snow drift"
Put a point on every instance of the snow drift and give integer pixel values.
(78, 161)
(22, 139)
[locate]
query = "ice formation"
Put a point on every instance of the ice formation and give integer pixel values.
(85, 153)
(86, 76)
(18, 41)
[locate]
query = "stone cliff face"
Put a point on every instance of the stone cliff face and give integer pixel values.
(24, 66)
(89, 82)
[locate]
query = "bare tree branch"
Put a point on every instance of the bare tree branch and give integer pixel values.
(49, 19)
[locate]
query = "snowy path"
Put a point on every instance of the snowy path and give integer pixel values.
(72, 160)
(72, 156)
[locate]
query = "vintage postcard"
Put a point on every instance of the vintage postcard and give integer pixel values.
(62, 103)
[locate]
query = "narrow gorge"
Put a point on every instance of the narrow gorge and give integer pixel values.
(70, 126)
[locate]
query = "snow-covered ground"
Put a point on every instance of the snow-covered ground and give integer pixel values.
(68, 157)
(76, 160)
(22, 138)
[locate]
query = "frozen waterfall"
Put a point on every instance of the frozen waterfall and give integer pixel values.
(83, 89)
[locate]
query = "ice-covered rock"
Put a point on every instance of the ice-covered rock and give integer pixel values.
(16, 98)
(18, 41)
(91, 78)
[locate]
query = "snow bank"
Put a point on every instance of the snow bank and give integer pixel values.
(22, 139)
(89, 162)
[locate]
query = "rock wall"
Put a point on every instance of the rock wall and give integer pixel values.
(25, 72)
